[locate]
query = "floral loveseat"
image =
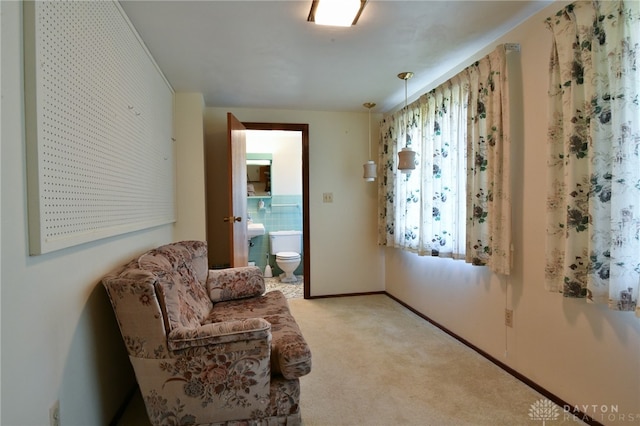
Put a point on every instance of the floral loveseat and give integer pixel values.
(208, 347)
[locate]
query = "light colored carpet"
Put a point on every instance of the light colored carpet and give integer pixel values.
(377, 363)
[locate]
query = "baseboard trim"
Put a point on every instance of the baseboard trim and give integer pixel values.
(333, 296)
(549, 395)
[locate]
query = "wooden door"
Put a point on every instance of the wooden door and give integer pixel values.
(237, 218)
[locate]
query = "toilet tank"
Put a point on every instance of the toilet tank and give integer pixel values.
(280, 241)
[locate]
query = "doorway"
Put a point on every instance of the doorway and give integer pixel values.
(303, 129)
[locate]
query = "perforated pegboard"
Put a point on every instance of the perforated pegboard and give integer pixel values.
(99, 126)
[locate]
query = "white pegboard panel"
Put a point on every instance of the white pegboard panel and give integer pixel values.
(99, 126)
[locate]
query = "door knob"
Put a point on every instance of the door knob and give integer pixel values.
(233, 219)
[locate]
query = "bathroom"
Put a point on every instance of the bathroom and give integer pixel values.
(274, 190)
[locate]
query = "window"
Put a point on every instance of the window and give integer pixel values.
(456, 203)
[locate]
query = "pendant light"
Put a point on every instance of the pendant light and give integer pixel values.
(370, 166)
(406, 157)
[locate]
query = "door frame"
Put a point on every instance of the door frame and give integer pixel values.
(306, 236)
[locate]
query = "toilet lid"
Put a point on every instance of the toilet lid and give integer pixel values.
(287, 255)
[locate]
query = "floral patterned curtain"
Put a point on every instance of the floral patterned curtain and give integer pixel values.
(593, 207)
(488, 159)
(433, 210)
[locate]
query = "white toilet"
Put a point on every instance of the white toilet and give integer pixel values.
(286, 246)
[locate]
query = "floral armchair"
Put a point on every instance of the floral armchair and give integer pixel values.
(208, 347)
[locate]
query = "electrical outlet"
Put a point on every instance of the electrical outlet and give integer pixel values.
(54, 414)
(327, 197)
(508, 317)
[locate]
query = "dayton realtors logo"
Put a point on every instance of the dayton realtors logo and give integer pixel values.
(600, 412)
(544, 410)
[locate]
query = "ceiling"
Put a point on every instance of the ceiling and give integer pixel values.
(264, 53)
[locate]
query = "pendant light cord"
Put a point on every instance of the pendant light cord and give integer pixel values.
(405, 93)
(369, 133)
(406, 110)
(405, 76)
(406, 156)
(369, 105)
(406, 136)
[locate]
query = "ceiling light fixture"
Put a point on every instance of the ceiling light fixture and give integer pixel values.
(406, 157)
(338, 13)
(370, 166)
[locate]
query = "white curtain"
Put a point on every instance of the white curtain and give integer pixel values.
(593, 226)
(422, 212)
(435, 211)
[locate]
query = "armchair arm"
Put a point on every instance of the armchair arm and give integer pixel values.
(234, 283)
(219, 333)
(220, 371)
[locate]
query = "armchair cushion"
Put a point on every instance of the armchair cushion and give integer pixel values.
(235, 283)
(290, 353)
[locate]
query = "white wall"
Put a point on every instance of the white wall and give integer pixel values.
(345, 257)
(60, 340)
(190, 182)
(584, 354)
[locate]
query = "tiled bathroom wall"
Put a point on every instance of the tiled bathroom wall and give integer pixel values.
(280, 213)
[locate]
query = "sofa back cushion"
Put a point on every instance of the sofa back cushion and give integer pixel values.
(180, 270)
